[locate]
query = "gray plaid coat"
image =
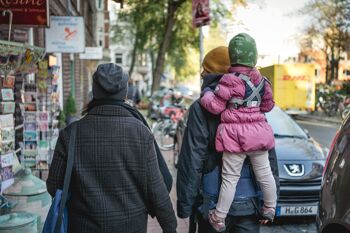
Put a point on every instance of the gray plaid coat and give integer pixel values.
(115, 175)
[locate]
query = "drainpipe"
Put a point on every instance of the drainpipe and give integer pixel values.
(72, 79)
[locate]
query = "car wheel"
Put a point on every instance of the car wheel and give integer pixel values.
(176, 154)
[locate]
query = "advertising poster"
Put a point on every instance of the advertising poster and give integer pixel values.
(200, 13)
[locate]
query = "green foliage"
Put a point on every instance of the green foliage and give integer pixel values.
(61, 119)
(145, 23)
(327, 30)
(70, 106)
(345, 90)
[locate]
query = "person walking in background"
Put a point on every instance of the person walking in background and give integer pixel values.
(116, 178)
(134, 95)
(198, 175)
(242, 97)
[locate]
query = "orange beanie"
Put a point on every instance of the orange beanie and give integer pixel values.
(217, 61)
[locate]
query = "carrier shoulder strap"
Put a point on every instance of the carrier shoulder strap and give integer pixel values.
(248, 101)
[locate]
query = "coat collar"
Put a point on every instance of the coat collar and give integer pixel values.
(110, 110)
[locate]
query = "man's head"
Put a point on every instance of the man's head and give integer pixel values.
(216, 61)
(242, 50)
(109, 82)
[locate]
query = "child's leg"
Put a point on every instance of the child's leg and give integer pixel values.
(231, 171)
(262, 170)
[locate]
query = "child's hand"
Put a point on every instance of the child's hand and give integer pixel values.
(206, 90)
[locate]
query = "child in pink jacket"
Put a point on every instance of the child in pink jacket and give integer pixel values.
(242, 97)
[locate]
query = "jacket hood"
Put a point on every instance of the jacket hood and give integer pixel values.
(211, 80)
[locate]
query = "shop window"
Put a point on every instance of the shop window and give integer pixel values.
(346, 72)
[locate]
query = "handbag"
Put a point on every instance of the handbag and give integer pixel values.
(57, 218)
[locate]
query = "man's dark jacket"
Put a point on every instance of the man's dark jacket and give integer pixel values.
(116, 177)
(199, 159)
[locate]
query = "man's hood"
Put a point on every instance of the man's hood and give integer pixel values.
(211, 80)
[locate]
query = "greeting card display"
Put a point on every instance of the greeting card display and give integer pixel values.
(30, 97)
(7, 107)
(8, 82)
(6, 94)
(6, 121)
(30, 126)
(44, 116)
(30, 117)
(6, 160)
(30, 136)
(7, 134)
(7, 146)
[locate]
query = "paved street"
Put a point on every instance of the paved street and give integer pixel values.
(321, 132)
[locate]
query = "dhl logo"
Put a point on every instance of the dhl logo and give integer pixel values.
(295, 78)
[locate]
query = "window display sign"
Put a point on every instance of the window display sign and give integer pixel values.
(65, 35)
(200, 13)
(92, 53)
(30, 13)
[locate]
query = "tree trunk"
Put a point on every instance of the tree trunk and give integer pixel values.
(332, 66)
(327, 72)
(133, 58)
(170, 22)
(336, 66)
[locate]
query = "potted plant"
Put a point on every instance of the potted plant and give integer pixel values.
(70, 109)
(61, 120)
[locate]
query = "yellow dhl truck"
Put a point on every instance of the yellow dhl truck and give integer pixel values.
(293, 85)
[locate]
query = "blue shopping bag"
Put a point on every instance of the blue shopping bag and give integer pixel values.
(57, 218)
(53, 214)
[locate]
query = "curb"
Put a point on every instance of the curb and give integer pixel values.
(318, 119)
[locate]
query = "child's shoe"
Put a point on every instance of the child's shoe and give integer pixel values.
(216, 222)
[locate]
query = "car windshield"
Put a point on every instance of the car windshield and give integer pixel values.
(283, 125)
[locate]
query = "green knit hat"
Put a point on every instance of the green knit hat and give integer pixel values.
(242, 50)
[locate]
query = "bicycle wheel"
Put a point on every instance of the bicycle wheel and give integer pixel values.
(162, 133)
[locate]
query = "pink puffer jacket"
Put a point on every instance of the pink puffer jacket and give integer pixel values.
(244, 129)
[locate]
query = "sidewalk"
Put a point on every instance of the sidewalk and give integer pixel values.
(319, 117)
(182, 225)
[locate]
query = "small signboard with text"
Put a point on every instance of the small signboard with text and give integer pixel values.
(200, 13)
(65, 35)
(92, 53)
(30, 13)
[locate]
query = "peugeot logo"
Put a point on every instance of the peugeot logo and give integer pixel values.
(294, 169)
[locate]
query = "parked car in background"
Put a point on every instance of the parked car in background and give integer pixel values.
(300, 161)
(334, 208)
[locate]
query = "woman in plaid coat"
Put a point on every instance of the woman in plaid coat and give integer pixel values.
(116, 181)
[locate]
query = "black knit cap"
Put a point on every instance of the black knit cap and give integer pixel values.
(110, 82)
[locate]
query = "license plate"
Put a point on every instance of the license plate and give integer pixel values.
(296, 210)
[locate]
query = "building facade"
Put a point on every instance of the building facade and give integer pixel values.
(96, 19)
(121, 50)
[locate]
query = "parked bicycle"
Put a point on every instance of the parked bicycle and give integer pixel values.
(164, 129)
(333, 104)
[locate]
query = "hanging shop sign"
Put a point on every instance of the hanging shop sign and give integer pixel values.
(25, 12)
(200, 13)
(92, 53)
(65, 35)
